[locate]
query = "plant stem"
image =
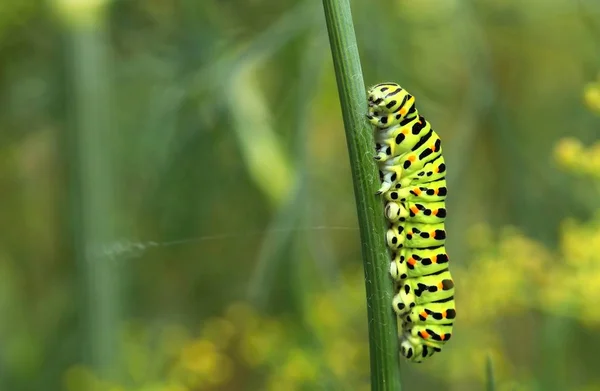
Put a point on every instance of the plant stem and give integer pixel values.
(383, 336)
(489, 370)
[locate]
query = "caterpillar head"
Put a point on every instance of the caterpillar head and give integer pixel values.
(389, 104)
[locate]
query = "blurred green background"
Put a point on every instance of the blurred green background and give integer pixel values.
(177, 205)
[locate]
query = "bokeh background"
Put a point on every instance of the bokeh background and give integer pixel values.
(178, 211)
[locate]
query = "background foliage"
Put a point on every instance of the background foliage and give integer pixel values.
(177, 207)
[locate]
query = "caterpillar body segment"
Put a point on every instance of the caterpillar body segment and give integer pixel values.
(413, 263)
(429, 213)
(412, 171)
(433, 192)
(423, 290)
(432, 171)
(437, 313)
(400, 138)
(415, 235)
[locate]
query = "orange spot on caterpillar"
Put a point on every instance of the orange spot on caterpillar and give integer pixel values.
(423, 315)
(444, 314)
(434, 259)
(414, 209)
(436, 191)
(402, 111)
(412, 158)
(424, 334)
(440, 285)
(405, 131)
(411, 261)
(417, 191)
(434, 212)
(432, 147)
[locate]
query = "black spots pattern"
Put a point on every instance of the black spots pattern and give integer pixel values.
(393, 93)
(391, 104)
(421, 288)
(394, 195)
(399, 138)
(451, 313)
(447, 284)
(406, 164)
(418, 127)
(404, 100)
(442, 168)
(423, 139)
(425, 153)
(442, 258)
(437, 315)
(439, 234)
(442, 191)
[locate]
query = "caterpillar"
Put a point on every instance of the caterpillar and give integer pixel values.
(412, 171)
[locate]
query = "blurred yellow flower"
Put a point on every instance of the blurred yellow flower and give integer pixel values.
(591, 96)
(219, 331)
(173, 338)
(299, 367)
(80, 378)
(242, 316)
(259, 344)
(200, 356)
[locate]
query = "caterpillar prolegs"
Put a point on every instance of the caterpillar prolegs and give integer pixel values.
(413, 185)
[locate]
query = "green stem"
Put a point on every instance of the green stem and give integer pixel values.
(385, 374)
(92, 192)
(490, 380)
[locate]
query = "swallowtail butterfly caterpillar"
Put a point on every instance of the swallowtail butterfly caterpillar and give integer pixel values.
(413, 186)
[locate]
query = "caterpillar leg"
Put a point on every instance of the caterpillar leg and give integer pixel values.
(414, 350)
(404, 300)
(385, 186)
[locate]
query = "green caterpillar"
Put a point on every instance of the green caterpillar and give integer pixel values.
(413, 185)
